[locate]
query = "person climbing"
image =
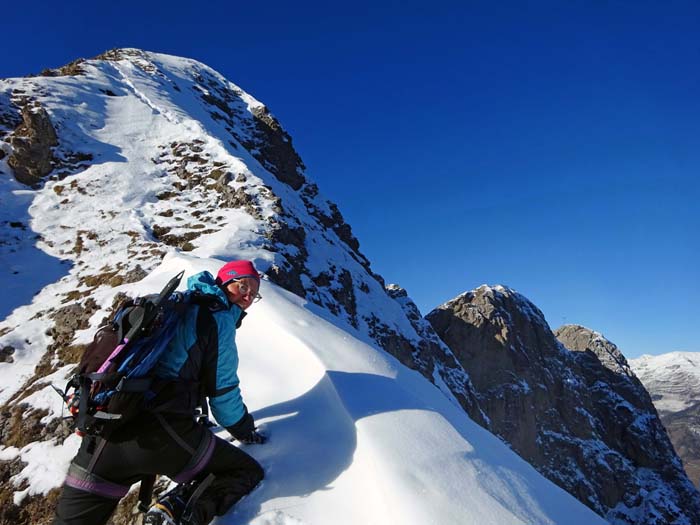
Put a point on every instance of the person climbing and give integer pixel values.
(172, 437)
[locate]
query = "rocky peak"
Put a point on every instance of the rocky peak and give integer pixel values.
(603, 359)
(581, 339)
(290, 216)
(577, 416)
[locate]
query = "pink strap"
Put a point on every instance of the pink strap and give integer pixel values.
(114, 354)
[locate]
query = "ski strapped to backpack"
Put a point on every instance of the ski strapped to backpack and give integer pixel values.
(113, 383)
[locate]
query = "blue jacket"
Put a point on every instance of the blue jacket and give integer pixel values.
(203, 351)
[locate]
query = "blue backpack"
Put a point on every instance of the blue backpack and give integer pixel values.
(113, 382)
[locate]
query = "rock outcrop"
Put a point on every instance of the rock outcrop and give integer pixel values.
(579, 415)
(32, 143)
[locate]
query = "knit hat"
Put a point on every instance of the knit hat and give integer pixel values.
(236, 270)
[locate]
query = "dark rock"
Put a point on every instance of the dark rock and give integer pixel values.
(135, 274)
(287, 278)
(183, 240)
(239, 198)
(283, 233)
(20, 424)
(6, 354)
(683, 428)
(37, 509)
(276, 151)
(74, 68)
(32, 143)
(67, 320)
(159, 231)
(344, 294)
(323, 279)
(166, 195)
(136, 56)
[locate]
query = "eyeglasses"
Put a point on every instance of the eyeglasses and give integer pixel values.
(245, 289)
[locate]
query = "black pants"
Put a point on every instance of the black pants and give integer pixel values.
(175, 447)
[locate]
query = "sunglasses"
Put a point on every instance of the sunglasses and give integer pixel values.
(245, 289)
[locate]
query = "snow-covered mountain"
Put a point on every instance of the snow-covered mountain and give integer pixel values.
(568, 402)
(119, 171)
(673, 380)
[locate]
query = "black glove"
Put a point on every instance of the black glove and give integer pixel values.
(245, 432)
(254, 438)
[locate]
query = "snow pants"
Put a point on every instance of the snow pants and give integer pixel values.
(175, 447)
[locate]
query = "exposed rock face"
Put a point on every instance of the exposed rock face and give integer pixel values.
(276, 151)
(673, 380)
(579, 416)
(32, 143)
(684, 430)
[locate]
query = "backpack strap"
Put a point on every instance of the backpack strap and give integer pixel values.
(101, 444)
(84, 384)
(134, 384)
(171, 432)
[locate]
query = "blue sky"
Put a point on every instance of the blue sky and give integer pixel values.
(553, 147)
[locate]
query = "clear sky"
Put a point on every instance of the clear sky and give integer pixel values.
(553, 147)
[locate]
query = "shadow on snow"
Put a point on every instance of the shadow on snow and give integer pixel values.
(313, 437)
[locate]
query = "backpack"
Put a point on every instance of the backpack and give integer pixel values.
(113, 382)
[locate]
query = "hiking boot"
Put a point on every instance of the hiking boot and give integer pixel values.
(169, 507)
(160, 514)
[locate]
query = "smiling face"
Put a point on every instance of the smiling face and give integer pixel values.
(242, 292)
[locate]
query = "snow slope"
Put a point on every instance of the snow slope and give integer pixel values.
(355, 437)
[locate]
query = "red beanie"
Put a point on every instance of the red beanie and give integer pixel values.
(236, 270)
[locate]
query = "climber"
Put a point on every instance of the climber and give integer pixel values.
(172, 437)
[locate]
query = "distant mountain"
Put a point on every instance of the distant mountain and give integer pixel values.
(673, 380)
(118, 171)
(573, 409)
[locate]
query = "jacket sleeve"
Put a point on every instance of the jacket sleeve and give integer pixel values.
(221, 370)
